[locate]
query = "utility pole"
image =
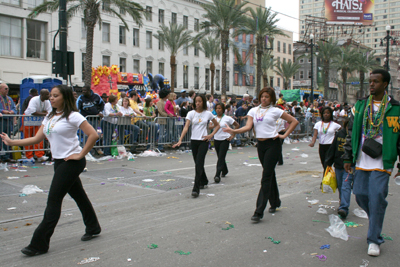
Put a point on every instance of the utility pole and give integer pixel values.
(62, 26)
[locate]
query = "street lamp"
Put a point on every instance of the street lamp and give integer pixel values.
(387, 38)
(312, 70)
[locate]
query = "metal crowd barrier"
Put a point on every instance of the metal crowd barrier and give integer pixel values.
(129, 132)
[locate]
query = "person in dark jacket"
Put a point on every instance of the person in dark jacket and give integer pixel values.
(32, 92)
(344, 179)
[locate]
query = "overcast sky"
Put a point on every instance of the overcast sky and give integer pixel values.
(288, 7)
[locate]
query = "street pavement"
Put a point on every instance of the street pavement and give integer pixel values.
(216, 227)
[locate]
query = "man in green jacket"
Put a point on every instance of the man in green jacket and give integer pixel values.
(372, 144)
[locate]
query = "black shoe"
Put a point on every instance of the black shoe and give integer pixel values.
(272, 210)
(342, 213)
(223, 175)
(195, 194)
(32, 252)
(256, 218)
(280, 164)
(87, 237)
(217, 179)
(203, 186)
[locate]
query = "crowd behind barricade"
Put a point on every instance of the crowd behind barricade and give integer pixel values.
(153, 120)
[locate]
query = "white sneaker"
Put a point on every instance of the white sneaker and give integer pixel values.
(373, 250)
(230, 146)
(41, 159)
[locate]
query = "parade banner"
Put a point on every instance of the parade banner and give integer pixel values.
(351, 12)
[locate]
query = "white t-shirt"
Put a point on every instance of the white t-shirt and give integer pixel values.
(126, 111)
(209, 106)
(264, 121)
(109, 109)
(221, 135)
(61, 134)
(364, 161)
(36, 105)
(335, 115)
(342, 115)
(326, 138)
(199, 123)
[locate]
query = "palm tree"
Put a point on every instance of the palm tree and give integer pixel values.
(222, 16)
(267, 62)
(346, 62)
(92, 10)
(328, 52)
(366, 61)
(287, 70)
(174, 37)
(212, 48)
(262, 23)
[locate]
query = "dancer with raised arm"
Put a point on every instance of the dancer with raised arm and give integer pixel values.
(269, 147)
(60, 128)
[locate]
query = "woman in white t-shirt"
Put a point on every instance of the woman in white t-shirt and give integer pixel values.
(127, 114)
(325, 131)
(60, 128)
(199, 119)
(222, 140)
(269, 146)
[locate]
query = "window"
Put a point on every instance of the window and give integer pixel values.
(36, 39)
(196, 25)
(196, 50)
(186, 22)
(278, 46)
(284, 60)
(83, 29)
(11, 2)
(106, 60)
(31, 3)
(301, 61)
(284, 48)
(243, 56)
(136, 37)
(173, 18)
(136, 66)
(301, 74)
(279, 60)
(207, 79)
(185, 49)
(122, 64)
(251, 38)
(217, 78)
(122, 35)
(309, 60)
(251, 59)
(227, 81)
(185, 76)
(161, 16)
(243, 79)
(160, 45)
(149, 39)
(161, 68)
(309, 74)
(236, 78)
(290, 49)
(251, 79)
(10, 36)
(244, 38)
(278, 82)
(83, 65)
(196, 77)
(236, 38)
(149, 67)
(105, 28)
(105, 6)
(122, 11)
(149, 13)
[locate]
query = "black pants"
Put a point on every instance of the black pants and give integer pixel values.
(268, 153)
(65, 180)
(199, 151)
(221, 146)
(280, 161)
(323, 149)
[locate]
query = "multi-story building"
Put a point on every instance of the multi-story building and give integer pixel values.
(283, 52)
(26, 44)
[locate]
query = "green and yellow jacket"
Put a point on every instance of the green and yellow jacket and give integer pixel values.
(391, 127)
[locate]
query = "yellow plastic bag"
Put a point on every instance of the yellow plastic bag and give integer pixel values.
(329, 183)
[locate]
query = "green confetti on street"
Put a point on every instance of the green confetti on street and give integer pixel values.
(180, 252)
(152, 170)
(386, 237)
(152, 246)
(229, 227)
(253, 157)
(274, 241)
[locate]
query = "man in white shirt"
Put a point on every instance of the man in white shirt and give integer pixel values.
(39, 106)
(210, 104)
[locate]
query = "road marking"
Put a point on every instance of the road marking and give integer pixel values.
(188, 168)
